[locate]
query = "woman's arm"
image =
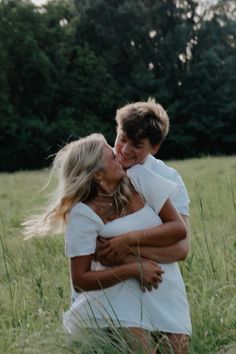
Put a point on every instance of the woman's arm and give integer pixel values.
(148, 273)
(170, 232)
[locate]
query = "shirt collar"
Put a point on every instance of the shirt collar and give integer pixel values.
(148, 161)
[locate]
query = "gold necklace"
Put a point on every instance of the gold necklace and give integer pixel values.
(104, 195)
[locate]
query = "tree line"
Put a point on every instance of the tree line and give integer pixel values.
(67, 66)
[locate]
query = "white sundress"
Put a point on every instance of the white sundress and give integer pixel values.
(124, 304)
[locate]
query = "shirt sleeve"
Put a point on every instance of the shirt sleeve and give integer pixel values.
(181, 199)
(154, 188)
(81, 231)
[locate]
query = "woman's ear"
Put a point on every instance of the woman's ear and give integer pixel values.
(155, 148)
(98, 177)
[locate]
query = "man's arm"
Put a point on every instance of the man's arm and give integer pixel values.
(172, 230)
(177, 251)
(168, 254)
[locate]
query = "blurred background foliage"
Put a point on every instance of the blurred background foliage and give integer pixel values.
(66, 67)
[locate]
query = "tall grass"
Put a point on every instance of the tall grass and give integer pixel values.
(34, 275)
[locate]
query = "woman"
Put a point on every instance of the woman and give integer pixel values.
(95, 197)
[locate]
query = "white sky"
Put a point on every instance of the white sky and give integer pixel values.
(39, 2)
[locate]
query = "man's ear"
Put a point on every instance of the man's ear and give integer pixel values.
(155, 148)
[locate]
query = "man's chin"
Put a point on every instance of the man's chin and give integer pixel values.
(126, 164)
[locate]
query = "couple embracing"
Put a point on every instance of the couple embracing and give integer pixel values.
(126, 225)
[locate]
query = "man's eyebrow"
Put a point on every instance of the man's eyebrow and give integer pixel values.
(137, 142)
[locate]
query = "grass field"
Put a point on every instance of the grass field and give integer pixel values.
(35, 287)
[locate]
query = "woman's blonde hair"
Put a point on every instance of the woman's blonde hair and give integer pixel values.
(75, 166)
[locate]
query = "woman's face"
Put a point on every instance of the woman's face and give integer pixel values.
(112, 170)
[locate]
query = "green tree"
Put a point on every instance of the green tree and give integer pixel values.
(206, 108)
(67, 66)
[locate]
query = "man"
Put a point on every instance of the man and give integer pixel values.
(141, 128)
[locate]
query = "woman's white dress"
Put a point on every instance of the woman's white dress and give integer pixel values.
(124, 304)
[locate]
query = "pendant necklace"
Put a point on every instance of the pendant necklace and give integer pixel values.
(111, 195)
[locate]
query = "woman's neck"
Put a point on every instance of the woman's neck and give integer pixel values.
(107, 190)
(106, 195)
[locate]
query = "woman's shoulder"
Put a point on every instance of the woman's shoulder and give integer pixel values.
(81, 231)
(81, 209)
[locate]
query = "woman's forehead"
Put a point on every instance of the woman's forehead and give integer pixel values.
(107, 149)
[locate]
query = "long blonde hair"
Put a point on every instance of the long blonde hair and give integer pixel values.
(75, 166)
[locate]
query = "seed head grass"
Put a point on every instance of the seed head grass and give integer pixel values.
(35, 286)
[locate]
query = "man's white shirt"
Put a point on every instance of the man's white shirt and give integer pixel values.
(180, 199)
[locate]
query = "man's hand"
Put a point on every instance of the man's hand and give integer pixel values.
(150, 273)
(110, 252)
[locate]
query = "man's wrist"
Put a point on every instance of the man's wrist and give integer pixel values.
(133, 237)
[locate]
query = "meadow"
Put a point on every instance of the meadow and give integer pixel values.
(35, 288)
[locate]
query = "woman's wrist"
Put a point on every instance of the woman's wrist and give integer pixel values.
(134, 269)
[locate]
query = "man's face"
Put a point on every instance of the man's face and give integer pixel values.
(131, 152)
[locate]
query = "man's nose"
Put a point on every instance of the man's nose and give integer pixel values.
(118, 159)
(125, 149)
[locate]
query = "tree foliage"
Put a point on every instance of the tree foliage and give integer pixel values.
(65, 68)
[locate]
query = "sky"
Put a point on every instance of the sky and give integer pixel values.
(39, 2)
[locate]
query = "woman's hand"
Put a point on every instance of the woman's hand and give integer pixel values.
(149, 275)
(112, 251)
(148, 272)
